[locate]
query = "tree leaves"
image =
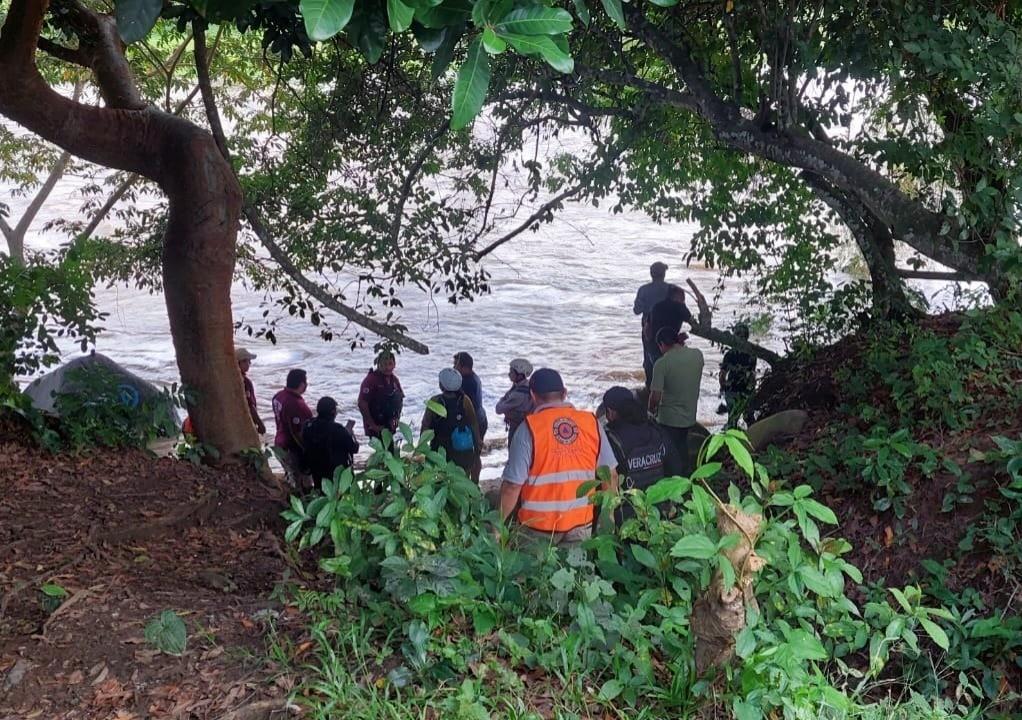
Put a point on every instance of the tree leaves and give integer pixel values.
(135, 18)
(325, 18)
(543, 46)
(699, 547)
(536, 20)
(615, 11)
(644, 556)
(399, 15)
(471, 86)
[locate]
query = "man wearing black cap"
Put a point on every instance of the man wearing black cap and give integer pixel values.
(649, 295)
(553, 453)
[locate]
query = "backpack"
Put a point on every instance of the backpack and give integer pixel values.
(462, 438)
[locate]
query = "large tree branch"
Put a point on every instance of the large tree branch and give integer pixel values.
(113, 138)
(100, 42)
(263, 233)
(703, 327)
(875, 244)
(909, 220)
(69, 55)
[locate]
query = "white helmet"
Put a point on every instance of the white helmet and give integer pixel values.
(522, 366)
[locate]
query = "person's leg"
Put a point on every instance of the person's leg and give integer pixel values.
(574, 537)
(679, 438)
(296, 475)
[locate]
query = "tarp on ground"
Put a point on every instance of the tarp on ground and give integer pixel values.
(132, 390)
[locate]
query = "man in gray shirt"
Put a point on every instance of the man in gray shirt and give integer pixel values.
(649, 295)
(555, 451)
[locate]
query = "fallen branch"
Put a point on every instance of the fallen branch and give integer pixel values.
(261, 710)
(704, 329)
(40, 578)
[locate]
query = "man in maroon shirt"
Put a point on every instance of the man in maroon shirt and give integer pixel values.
(245, 359)
(381, 398)
(290, 413)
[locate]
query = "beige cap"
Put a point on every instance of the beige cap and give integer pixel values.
(244, 354)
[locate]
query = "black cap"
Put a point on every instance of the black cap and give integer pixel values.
(617, 397)
(545, 381)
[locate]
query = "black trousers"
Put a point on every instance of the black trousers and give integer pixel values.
(650, 354)
(679, 438)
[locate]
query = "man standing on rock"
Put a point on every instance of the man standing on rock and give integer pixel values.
(290, 414)
(649, 295)
(555, 451)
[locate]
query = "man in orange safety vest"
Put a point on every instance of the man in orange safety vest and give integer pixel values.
(553, 452)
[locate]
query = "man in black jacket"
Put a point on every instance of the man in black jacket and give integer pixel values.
(328, 444)
(644, 452)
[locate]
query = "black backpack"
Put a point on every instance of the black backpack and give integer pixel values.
(455, 425)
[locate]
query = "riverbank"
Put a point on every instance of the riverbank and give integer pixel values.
(120, 537)
(905, 442)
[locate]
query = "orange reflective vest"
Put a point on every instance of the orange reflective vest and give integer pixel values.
(565, 450)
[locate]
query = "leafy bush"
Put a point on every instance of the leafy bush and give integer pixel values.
(444, 597)
(102, 411)
(39, 303)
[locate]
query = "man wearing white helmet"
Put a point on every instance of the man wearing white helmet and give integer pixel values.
(516, 403)
(457, 432)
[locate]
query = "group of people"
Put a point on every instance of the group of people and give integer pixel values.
(662, 308)
(311, 447)
(553, 447)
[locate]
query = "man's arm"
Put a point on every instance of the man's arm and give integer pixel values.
(509, 495)
(516, 471)
(656, 386)
(639, 306)
(363, 407)
(654, 401)
(504, 404)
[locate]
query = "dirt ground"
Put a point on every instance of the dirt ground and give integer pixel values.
(128, 536)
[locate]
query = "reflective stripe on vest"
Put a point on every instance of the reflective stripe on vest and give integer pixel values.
(565, 450)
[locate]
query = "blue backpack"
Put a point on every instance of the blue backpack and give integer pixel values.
(462, 439)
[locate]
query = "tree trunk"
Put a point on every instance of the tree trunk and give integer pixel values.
(198, 268)
(204, 197)
(877, 247)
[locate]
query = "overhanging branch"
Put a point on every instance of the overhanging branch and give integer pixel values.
(263, 233)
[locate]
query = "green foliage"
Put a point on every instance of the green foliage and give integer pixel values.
(51, 597)
(941, 382)
(99, 410)
(423, 555)
(470, 88)
(325, 18)
(40, 303)
(167, 633)
(135, 18)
